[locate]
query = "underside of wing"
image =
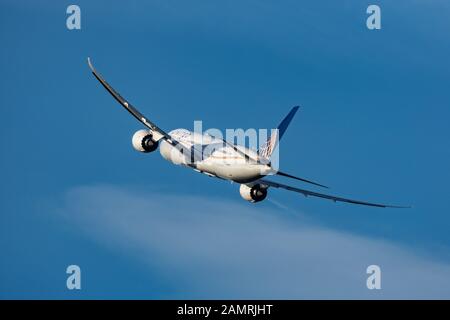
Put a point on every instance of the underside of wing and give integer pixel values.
(307, 193)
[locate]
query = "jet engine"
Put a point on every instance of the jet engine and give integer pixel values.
(255, 193)
(143, 141)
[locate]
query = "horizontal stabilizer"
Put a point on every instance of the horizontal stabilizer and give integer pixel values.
(300, 179)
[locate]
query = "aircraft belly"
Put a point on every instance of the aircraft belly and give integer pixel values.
(171, 153)
(235, 172)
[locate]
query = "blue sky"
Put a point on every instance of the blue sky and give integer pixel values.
(374, 125)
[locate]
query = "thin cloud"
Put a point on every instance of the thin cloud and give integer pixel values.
(217, 249)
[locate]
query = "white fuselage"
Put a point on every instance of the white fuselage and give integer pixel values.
(212, 157)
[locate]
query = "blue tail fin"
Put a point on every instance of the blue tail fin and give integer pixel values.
(267, 148)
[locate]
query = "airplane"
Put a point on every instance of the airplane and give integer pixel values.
(216, 157)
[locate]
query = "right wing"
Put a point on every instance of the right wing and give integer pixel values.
(307, 193)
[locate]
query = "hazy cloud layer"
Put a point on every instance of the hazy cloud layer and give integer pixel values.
(219, 249)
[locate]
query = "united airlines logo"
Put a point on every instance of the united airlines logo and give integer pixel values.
(267, 149)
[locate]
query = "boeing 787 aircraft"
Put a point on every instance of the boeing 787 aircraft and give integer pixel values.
(219, 158)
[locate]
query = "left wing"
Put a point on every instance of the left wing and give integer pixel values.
(307, 193)
(191, 154)
(129, 107)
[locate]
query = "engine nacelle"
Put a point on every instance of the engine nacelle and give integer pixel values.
(143, 141)
(253, 194)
